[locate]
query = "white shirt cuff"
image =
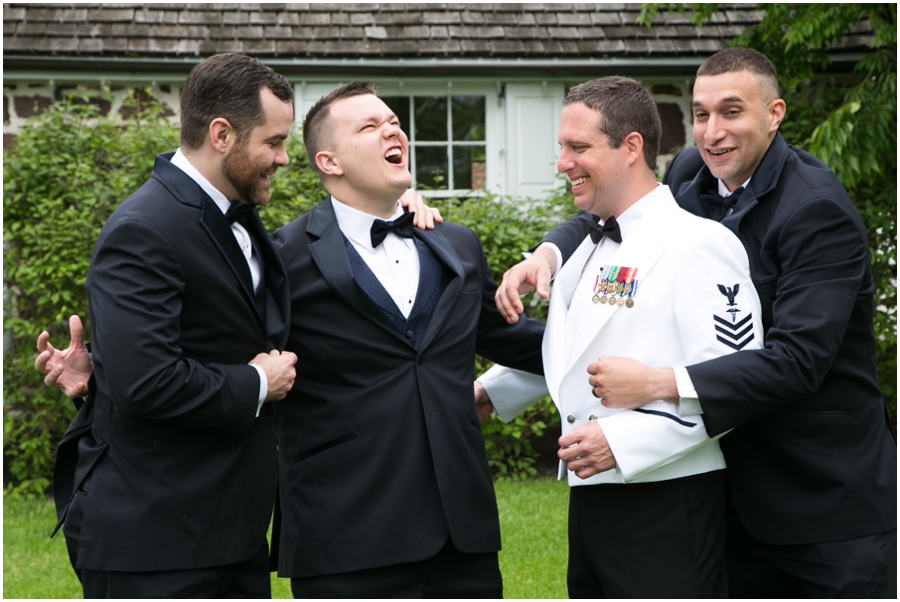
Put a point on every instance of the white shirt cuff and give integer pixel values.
(689, 405)
(263, 387)
(559, 259)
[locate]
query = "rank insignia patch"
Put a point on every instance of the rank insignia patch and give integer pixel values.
(733, 333)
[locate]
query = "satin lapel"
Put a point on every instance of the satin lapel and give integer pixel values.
(553, 348)
(641, 250)
(330, 255)
(278, 295)
(213, 221)
(444, 252)
(747, 202)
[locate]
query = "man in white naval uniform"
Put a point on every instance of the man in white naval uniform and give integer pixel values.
(655, 283)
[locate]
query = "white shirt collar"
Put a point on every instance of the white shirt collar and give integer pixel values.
(630, 217)
(723, 190)
(357, 225)
(182, 163)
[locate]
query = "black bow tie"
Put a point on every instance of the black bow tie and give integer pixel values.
(731, 200)
(718, 207)
(239, 212)
(609, 229)
(402, 226)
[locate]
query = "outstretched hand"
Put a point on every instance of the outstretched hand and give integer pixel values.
(68, 370)
(534, 272)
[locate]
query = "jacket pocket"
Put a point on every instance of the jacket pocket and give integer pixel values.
(305, 455)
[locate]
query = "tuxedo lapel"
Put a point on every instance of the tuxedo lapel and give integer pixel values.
(213, 222)
(446, 255)
(330, 255)
(278, 295)
(216, 226)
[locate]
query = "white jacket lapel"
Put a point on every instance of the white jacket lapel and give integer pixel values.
(640, 249)
(554, 344)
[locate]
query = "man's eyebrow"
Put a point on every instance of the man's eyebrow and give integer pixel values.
(731, 99)
(374, 119)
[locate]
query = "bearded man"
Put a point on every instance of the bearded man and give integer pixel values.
(166, 479)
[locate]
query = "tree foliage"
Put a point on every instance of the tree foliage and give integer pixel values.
(850, 123)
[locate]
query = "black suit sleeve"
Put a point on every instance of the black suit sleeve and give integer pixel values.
(682, 168)
(822, 256)
(515, 345)
(135, 298)
(568, 235)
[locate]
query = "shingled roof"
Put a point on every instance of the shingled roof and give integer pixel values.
(319, 30)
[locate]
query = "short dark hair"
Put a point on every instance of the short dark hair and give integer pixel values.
(227, 86)
(731, 60)
(624, 106)
(314, 125)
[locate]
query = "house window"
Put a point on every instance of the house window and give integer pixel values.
(446, 139)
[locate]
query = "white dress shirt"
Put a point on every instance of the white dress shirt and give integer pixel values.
(240, 235)
(395, 262)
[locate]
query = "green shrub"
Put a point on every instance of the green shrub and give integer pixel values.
(67, 171)
(63, 176)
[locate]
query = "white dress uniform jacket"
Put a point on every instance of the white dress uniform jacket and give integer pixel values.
(694, 301)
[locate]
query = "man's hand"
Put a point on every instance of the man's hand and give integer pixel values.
(280, 372)
(626, 383)
(483, 405)
(585, 450)
(68, 370)
(534, 272)
(425, 215)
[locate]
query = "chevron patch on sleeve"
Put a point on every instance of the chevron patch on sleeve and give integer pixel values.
(733, 327)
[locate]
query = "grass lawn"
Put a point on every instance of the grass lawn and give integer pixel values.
(532, 520)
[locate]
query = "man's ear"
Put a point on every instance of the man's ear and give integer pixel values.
(221, 134)
(776, 114)
(634, 146)
(328, 164)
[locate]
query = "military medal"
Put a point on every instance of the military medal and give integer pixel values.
(629, 302)
(601, 285)
(622, 286)
(616, 286)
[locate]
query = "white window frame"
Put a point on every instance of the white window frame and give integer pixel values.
(308, 92)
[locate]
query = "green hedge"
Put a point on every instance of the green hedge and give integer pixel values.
(65, 174)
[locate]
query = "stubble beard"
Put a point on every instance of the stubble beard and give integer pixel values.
(243, 176)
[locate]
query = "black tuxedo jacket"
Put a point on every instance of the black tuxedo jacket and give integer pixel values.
(173, 470)
(813, 458)
(381, 451)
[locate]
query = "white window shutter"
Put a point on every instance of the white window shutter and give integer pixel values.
(532, 150)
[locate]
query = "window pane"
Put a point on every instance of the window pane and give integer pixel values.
(468, 118)
(431, 166)
(400, 106)
(469, 167)
(431, 117)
